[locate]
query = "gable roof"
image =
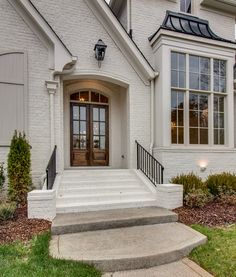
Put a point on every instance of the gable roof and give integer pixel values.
(60, 56)
(190, 25)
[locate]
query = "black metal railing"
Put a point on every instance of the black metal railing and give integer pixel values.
(51, 170)
(149, 165)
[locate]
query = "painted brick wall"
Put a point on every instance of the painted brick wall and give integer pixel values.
(16, 35)
(187, 160)
(79, 28)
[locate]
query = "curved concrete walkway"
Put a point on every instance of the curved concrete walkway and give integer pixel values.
(184, 268)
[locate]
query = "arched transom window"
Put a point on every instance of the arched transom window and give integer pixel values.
(89, 97)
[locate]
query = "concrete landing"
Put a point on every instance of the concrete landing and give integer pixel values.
(102, 220)
(183, 268)
(128, 248)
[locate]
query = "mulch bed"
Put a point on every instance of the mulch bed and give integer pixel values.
(214, 214)
(20, 228)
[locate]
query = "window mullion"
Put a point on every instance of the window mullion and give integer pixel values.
(211, 108)
(186, 121)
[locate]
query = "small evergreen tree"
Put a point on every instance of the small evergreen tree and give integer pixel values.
(19, 169)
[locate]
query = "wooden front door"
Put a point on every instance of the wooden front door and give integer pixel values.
(89, 135)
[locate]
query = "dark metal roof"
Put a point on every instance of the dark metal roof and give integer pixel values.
(188, 24)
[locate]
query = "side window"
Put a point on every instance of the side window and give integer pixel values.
(186, 6)
(12, 95)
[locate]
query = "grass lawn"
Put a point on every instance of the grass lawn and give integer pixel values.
(32, 259)
(218, 256)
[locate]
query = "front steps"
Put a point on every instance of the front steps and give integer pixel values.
(102, 189)
(103, 220)
(124, 239)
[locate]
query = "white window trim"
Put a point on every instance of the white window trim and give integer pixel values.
(211, 94)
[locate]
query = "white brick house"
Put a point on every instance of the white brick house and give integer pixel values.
(166, 81)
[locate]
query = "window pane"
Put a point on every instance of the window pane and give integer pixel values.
(194, 64)
(180, 118)
(102, 128)
(194, 81)
(222, 137)
(193, 136)
(205, 66)
(182, 62)
(83, 142)
(221, 120)
(193, 119)
(174, 61)
(204, 119)
(84, 96)
(76, 112)
(216, 137)
(76, 142)
(95, 97)
(222, 68)
(83, 127)
(193, 101)
(76, 127)
(203, 102)
(222, 86)
(174, 78)
(96, 142)
(216, 67)
(95, 114)
(95, 128)
(182, 81)
(216, 83)
(180, 135)
(174, 135)
(102, 143)
(174, 99)
(103, 99)
(174, 118)
(205, 82)
(82, 113)
(102, 114)
(219, 75)
(180, 100)
(216, 120)
(203, 136)
(221, 104)
(75, 96)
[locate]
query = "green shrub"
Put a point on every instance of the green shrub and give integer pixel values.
(2, 175)
(197, 198)
(189, 181)
(19, 169)
(222, 183)
(7, 210)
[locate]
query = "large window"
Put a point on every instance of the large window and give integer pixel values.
(198, 97)
(185, 6)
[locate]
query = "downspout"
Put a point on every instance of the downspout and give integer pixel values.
(152, 104)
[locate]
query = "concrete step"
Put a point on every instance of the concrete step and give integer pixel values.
(100, 172)
(105, 182)
(100, 189)
(102, 220)
(128, 248)
(104, 205)
(100, 179)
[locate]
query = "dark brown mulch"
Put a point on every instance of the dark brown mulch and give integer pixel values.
(214, 214)
(21, 228)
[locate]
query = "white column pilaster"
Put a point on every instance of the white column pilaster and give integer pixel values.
(52, 89)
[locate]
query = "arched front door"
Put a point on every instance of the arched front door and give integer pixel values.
(89, 129)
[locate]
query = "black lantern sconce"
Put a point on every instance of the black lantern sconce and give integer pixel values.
(100, 51)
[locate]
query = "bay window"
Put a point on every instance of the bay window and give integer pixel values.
(198, 96)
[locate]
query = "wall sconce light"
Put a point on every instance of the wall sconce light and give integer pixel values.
(203, 166)
(100, 51)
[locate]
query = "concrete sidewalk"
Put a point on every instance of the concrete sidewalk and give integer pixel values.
(183, 268)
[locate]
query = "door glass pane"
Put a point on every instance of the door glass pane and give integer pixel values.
(83, 127)
(95, 114)
(102, 114)
(83, 142)
(102, 143)
(102, 129)
(95, 128)
(96, 142)
(82, 113)
(76, 112)
(76, 142)
(76, 127)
